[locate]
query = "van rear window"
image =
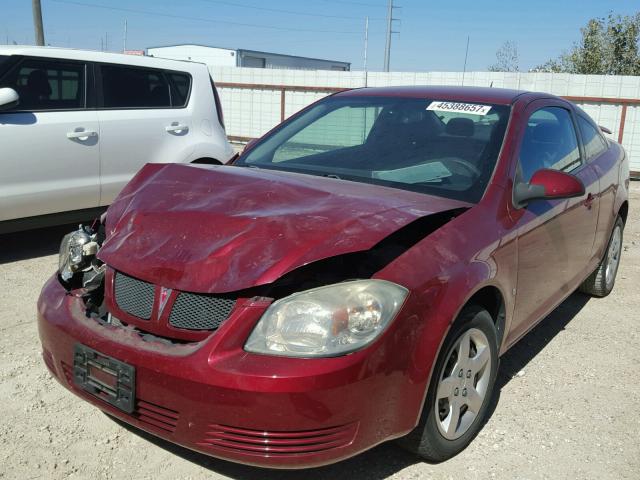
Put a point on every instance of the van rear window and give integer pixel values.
(125, 87)
(180, 87)
(135, 87)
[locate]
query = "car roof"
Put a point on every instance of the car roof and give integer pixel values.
(498, 96)
(96, 56)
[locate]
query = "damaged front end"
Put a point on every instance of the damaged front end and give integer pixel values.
(329, 307)
(217, 302)
(89, 282)
(187, 249)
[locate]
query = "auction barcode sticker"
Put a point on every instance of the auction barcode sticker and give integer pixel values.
(472, 108)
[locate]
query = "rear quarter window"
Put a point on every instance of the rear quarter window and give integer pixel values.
(594, 143)
(180, 88)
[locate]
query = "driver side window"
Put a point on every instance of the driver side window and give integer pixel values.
(549, 142)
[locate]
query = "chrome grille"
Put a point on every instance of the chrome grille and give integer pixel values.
(193, 311)
(134, 296)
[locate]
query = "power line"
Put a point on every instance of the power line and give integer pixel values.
(279, 10)
(362, 4)
(199, 19)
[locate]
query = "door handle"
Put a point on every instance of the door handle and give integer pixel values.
(81, 134)
(176, 127)
(588, 202)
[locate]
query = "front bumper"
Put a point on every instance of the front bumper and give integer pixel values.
(215, 398)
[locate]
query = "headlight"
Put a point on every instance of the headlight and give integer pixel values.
(327, 321)
(72, 253)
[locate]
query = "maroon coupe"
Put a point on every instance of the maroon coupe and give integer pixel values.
(351, 278)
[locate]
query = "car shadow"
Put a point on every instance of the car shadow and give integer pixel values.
(32, 243)
(518, 356)
(387, 459)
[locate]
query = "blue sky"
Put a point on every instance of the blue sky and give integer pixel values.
(432, 37)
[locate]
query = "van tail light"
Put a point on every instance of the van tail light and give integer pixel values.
(218, 105)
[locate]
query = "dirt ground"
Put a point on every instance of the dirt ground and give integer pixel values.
(567, 405)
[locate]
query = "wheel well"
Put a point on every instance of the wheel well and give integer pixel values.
(624, 210)
(490, 298)
(207, 161)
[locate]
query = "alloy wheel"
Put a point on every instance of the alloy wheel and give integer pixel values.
(463, 384)
(613, 256)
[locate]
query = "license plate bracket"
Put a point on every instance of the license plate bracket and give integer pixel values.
(104, 377)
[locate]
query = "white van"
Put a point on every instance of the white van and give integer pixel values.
(76, 125)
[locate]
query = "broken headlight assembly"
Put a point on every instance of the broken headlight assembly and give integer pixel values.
(327, 321)
(78, 266)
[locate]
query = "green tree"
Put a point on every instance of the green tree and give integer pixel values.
(506, 58)
(624, 35)
(609, 46)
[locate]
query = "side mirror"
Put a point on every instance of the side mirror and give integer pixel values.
(9, 98)
(548, 184)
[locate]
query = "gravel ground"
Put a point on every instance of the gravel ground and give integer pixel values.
(566, 407)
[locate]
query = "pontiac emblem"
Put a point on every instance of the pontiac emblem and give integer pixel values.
(164, 296)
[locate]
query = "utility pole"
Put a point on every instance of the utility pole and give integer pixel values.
(124, 40)
(37, 22)
(387, 46)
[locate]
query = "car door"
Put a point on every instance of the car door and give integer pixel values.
(604, 162)
(555, 237)
(142, 119)
(49, 141)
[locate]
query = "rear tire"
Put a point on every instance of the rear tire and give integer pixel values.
(601, 281)
(460, 390)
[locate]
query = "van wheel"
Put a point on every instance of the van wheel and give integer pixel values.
(207, 161)
(460, 390)
(601, 281)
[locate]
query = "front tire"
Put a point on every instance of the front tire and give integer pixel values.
(600, 283)
(460, 390)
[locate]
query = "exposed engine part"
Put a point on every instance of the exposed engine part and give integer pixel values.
(78, 266)
(93, 276)
(90, 248)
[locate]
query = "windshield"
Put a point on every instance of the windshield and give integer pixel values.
(441, 148)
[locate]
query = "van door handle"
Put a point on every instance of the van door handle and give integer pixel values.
(176, 127)
(81, 134)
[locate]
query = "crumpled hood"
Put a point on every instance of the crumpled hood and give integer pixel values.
(224, 228)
